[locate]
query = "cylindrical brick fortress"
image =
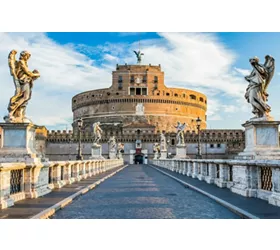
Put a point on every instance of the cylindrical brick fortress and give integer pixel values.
(138, 94)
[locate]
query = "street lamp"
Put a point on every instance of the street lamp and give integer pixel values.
(80, 124)
(198, 123)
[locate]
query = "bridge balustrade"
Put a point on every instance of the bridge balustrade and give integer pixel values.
(250, 178)
(19, 181)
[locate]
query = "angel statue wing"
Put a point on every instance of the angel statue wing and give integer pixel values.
(270, 67)
(183, 126)
(12, 63)
(135, 53)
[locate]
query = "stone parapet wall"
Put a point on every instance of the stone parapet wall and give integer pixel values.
(249, 178)
(20, 181)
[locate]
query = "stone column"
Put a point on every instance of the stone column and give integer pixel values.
(67, 173)
(76, 171)
(28, 182)
(189, 171)
(195, 169)
(222, 180)
(57, 182)
(202, 174)
(5, 199)
(82, 170)
(184, 167)
(211, 177)
(172, 165)
(274, 199)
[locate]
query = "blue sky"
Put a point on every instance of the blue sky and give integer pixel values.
(213, 63)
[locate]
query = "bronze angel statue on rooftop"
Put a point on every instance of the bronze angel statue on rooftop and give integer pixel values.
(138, 55)
(23, 80)
(256, 92)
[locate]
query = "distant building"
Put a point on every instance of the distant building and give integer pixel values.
(136, 109)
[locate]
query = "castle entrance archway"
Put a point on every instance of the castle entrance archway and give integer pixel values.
(139, 158)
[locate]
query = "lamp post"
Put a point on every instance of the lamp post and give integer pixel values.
(198, 123)
(79, 155)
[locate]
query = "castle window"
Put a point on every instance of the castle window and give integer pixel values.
(144, 91)
(167, 94)
(138, 91)
(218, 145)
(120, 81)
(92, 95)
(108, 93)
(74, 101)
(117, 93)
(205, 102)
(201, 99)
(184, 95)
(193, 97)
(132, 91)
(132, 79)
(157, 93)
(113, 107)
(211, 145)
(155, 79)
(176, 95)
(173, 142)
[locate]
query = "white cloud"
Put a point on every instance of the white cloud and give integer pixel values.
(243, 72)
(110, 58)
(230, 108)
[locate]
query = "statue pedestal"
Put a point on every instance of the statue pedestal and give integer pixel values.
(96, 152)
(156, 155)
(119, 155)
(112, 154)
(163, 155)
(261, 141)
(18, 143)
(181, 151)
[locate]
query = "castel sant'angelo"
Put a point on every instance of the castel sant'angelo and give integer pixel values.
(138, 95)
(139, 106)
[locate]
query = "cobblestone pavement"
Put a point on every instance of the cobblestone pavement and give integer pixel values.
(140, 192)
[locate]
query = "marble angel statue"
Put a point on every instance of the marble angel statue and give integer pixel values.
(256, 92)
(97, 132)
(180, 133)
(23, 80)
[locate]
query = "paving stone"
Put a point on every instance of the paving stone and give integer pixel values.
(141, 192)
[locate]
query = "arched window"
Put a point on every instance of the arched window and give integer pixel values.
(201, 99)
(193, 97)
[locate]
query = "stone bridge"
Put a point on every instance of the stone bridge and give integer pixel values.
(170, 188)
